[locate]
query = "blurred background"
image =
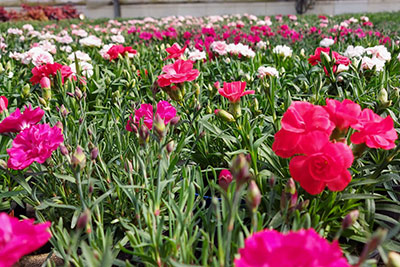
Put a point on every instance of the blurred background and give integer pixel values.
(162, 8)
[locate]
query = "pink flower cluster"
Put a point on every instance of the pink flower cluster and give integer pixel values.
(34, 142)
(314, 136)
(164, 109)
(304, 248)
(18, 238)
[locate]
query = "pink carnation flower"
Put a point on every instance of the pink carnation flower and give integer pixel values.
(18, 238)
(178, 72)
(146, 112)
(234, 91)
(18, 121)
(304, 248)
(374, 131)
(34, 144)
(343, 114)
(164, 109)
(175, 51)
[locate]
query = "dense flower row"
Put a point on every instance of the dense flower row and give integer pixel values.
(123, 93)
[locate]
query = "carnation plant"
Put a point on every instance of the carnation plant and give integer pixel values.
(214, 141)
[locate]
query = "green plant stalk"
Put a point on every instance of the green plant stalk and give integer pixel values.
(231, 221)
(79, 184)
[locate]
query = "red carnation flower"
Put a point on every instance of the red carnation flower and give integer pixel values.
(117, 50)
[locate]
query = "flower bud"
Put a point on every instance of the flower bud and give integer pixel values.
(350, 219)
(159, 126)
(253, 195)
(42, 101)
(128, 166)
(290, 187)
(45, 83)
(78, 158)
(64, 112)
(393, 259)
(240, 169)
(224, 115)
(78, 93)
(143, 134)
(3, 103)
(1, 68)
(26, 90)
(83, 220)
(289, 196)
(224, 179)
(197, 91)
(217, 85)
(94, 153)
(3, 164)
(174, 121)
(170, 147)
(64, 150)
(383, 96)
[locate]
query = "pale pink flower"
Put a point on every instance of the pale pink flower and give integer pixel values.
(220, 47)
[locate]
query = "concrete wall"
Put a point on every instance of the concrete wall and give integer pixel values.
(162, 8)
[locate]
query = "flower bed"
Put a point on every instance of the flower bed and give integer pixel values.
(223, 140)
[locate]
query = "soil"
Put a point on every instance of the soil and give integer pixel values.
(38, 260)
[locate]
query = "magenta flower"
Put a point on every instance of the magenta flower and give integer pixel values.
(18, 238)
(164, 109)
(234, 91)
(304, 248)
(16, 122)
(374, 131)
(225, 178)
(178, 72)
(146, 112)
(35, 143)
